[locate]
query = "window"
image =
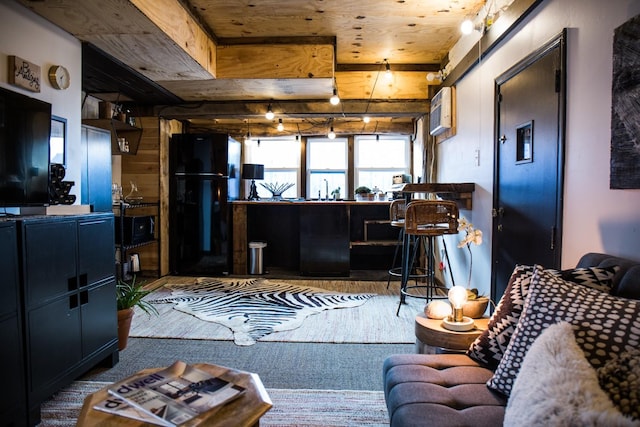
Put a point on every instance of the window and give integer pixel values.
(281, 160)
(326, 167)
(378, 159)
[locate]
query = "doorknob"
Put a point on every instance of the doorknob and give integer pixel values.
(497, 212)
(500, 227)
(503, 139)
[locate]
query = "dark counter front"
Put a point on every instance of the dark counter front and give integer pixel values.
(314, 238)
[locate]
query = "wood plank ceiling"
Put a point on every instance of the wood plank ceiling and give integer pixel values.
(219, 64)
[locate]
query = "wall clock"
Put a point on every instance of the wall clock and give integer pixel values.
(59, 77)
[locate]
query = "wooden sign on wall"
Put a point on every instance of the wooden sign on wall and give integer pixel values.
(24, 74)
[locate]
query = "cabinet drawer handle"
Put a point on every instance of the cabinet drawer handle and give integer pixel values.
(73, 301)
(72, 284)
(83, 280)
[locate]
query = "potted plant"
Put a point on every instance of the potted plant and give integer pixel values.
(336, 193)
(476, 304)
(363, 193)
(128, 296)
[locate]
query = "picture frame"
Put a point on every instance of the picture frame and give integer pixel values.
(58, 140)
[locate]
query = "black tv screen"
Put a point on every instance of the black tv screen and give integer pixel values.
(25, 125)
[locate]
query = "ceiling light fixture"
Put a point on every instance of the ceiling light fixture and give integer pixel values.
(467, 27)
(387, 70)
(335, 99)
(366, 119)
(331, 134)
(440, 75)
(280, 125)
(269, 115)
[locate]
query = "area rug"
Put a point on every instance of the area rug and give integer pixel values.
(254, 308)
(328, 408)
(374, 322)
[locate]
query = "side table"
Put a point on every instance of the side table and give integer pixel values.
(246, 410)
(432, 337)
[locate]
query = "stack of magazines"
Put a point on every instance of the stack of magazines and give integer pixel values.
(169, 397)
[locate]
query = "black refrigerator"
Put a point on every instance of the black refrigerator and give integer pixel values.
(204, 177)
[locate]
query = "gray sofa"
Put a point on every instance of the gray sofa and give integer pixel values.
(451, 390)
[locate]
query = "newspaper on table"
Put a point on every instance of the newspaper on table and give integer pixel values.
(176, 394)
(117, 406)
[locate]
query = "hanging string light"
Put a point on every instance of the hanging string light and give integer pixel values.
(280, 125)
(269, 115)
(331, 134)
(387, 70)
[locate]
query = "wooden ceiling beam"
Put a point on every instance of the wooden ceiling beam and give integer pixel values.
(286, 61)
(295, 109)
(239, 130)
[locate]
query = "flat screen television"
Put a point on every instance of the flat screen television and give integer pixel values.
(25, 125)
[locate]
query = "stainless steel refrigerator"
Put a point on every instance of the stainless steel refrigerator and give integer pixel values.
(204, 177)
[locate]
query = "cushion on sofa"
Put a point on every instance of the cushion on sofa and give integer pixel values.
(490, 346)
(605, 324)
(556, 386)
(439, 390)
(620, 379)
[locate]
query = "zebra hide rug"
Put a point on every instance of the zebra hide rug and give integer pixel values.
(256, 307)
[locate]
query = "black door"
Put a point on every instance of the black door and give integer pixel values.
(528, 185)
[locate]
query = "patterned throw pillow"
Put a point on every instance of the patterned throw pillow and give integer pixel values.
(490, 346)
(620, 379)
(605, 325)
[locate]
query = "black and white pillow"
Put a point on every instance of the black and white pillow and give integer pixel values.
(490, 346)
(605, 325)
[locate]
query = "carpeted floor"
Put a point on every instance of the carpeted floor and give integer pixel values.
(310, 383)
(326, 408)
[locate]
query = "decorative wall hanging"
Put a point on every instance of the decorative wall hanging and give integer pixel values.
(625, 108)
(24, 74)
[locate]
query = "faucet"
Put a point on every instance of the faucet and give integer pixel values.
(326, 194)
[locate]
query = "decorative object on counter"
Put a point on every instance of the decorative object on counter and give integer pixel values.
(336, 193)
(364, 193)
(253, 172)
(277, 189)
(58, 188)
(133, 196)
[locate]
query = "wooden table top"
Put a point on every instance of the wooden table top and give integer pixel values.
(432, 333)
(243, 411)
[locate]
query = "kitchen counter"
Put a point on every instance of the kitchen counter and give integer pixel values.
(326, 237)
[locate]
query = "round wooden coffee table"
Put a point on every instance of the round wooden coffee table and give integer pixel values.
(432, 337)
(244, 411)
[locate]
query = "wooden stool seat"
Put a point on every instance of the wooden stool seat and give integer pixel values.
(424, 220)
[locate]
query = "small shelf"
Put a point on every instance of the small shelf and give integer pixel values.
(118, 129)
(120, 210)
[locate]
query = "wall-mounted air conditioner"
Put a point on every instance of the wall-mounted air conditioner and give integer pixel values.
(440, 118)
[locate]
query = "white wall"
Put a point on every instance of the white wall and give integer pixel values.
(595, 218)
(25, 34)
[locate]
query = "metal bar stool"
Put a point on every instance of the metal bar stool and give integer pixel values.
(424, 221)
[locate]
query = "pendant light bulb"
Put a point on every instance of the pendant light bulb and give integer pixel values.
(366, 119)
(467, 26)
(387, 70)
(335, 99)
(332, 134)
(280, 125)
(269, 115)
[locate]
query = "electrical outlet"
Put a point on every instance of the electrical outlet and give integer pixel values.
(477, 157)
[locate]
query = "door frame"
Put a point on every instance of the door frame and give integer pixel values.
(557, 42)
